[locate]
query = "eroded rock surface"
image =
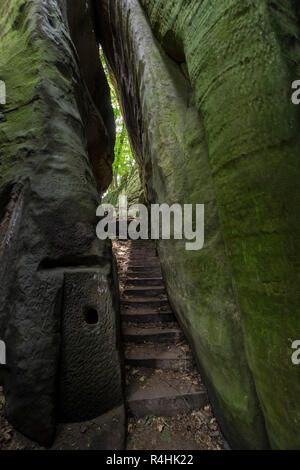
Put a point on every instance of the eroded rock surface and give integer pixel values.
(56, 141)
(205, 88)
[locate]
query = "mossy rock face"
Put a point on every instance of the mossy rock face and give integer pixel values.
(48, 194)
(130, 186)
(220, 129)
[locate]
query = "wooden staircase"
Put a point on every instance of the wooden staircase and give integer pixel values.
(161, 378)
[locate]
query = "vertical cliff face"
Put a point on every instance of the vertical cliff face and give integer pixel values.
(205, 88)
(56, 149)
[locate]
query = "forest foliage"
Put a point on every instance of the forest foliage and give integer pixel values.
(124, 161)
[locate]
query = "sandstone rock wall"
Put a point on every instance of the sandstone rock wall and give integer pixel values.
(206, 92)
(56, 141)
(131, 186)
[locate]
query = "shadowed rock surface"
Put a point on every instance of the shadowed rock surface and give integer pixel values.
(56, 138)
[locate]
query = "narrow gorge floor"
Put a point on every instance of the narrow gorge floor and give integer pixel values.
(167, 403)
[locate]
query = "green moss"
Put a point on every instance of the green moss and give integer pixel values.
(176, 164)
(19, 65)
(131, 186)
(242, 57)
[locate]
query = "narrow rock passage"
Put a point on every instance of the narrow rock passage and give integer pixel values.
(166, 400)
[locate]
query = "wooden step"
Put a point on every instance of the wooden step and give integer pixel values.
(145, 291)
(142, 302)
(144, 266)
(157, 356)
(154, 273)
(141, 268)
(157, 397)
(148, 255)
(152, 335)
(137, 315)
(146, 281)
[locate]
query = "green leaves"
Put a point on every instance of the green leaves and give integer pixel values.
(124, 160)
(148, 420)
